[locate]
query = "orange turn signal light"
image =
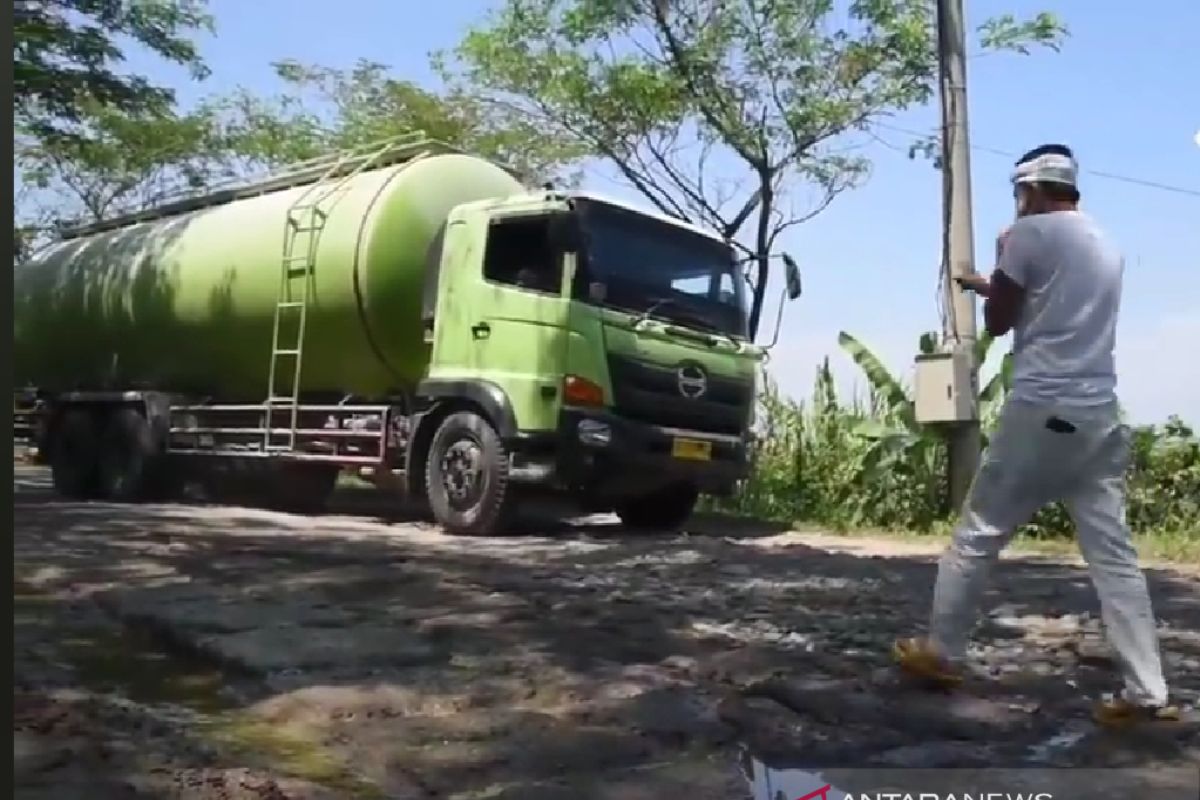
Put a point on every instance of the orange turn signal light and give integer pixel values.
(579, 391)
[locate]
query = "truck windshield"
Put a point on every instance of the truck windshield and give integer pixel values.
(653, 267)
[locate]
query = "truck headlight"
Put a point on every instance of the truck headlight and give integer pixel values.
(594, 433)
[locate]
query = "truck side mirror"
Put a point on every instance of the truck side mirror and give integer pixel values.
(565, 233)
(792, 275)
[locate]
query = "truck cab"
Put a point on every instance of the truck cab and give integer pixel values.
(585, 347)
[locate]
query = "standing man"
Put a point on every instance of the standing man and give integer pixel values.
(1057, 286)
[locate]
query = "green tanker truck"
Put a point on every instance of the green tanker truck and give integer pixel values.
(406, 311)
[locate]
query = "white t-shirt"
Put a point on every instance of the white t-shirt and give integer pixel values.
(1066, 331)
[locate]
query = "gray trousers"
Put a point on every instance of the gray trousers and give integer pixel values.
(1026, 466)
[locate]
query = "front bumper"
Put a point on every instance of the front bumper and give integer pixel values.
(605, 455)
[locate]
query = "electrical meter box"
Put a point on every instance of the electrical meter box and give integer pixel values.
(944, 387)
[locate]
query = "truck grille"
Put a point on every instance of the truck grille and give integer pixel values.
(650, 393)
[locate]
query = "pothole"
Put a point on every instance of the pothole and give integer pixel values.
(139, 668)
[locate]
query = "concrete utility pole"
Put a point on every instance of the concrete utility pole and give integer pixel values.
(960, 258)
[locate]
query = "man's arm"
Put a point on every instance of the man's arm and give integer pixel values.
(1002, 304)
(1004, 292)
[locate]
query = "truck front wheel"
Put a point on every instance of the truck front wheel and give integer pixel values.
(667, 509)
(74, 455)
(466, 476)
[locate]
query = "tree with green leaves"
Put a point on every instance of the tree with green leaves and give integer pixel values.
(87, 135)
(67, 50)
(668, 90)
(323, 109)
(124, 161)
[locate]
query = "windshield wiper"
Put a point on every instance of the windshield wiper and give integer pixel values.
(658, 303)
(687, 317)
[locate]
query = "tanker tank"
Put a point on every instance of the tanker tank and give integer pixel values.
(187, 303)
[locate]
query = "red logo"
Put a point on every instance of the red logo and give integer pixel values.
(824, 790)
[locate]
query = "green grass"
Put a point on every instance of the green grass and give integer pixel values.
(1168, 546)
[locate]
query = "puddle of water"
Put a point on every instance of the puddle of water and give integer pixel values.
(767, 783)
(1058, 743)
(133, 665)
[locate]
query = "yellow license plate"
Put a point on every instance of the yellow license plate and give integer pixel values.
(692, 449)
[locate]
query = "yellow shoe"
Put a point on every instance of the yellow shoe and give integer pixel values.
(921, 660)
(1120, 713)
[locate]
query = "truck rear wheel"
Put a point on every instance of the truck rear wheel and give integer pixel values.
(74, 457)
(667, 509)
(127, 465)
(466, 476)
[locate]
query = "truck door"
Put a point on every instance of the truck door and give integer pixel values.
(517, 317)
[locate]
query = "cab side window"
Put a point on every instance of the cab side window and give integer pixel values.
(519, 254)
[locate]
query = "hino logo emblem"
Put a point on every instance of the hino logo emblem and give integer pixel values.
(692, 381)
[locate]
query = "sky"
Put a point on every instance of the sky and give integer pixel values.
(1122, 93)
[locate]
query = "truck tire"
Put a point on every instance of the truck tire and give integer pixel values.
(466, 476)
(665, 510)
(128, 463)
(74, 451)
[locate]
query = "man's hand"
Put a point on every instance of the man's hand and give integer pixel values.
(974, 282)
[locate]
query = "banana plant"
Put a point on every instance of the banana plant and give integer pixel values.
(895, 435)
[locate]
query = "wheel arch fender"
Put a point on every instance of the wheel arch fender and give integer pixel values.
(443, 398)
(490, 398)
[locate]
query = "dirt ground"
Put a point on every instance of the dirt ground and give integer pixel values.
(211, 652)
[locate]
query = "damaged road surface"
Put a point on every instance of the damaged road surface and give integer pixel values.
(208, 652)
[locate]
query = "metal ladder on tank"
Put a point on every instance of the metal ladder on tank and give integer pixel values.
(306, 219)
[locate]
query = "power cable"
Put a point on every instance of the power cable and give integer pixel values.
(1149, 184)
